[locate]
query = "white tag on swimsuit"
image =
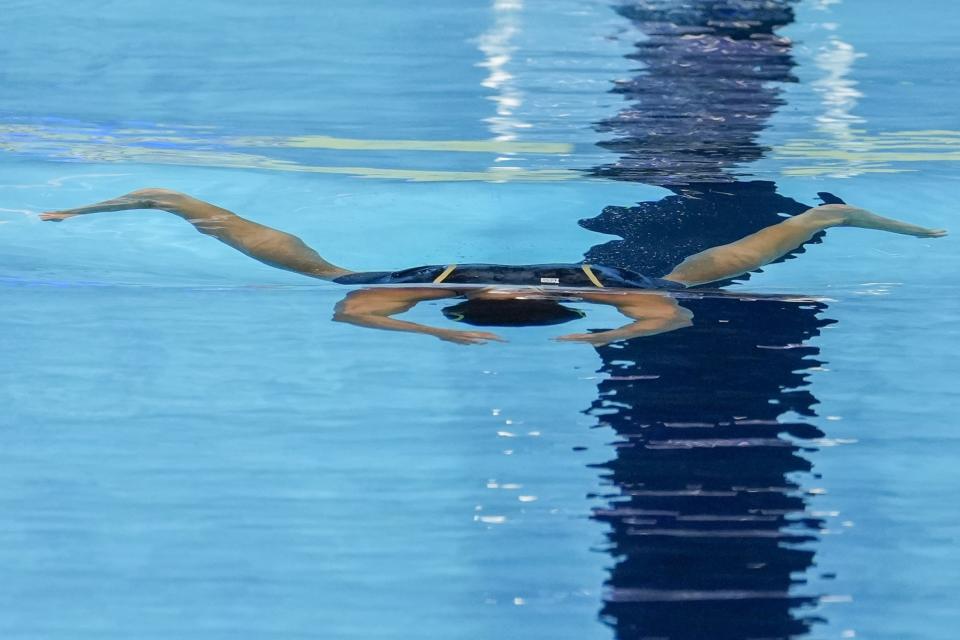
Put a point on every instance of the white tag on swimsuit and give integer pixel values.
(549, 280)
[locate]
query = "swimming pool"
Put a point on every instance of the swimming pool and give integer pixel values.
(193, 449)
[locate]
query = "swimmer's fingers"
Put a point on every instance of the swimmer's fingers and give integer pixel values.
(56, 216)
(470, 337)
(479, 337)
(596, 339)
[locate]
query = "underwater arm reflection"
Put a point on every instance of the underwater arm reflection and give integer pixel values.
(374, 307)
(652, 313)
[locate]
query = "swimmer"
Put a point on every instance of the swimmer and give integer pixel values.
(506, 295)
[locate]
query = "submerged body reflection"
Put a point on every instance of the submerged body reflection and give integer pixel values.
(709, 531)
(704, 515)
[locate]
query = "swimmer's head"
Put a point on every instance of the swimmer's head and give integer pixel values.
(510, 312)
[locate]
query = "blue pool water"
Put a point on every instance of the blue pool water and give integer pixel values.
(191, 448)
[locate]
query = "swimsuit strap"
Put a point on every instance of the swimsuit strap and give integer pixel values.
(590, 274)
(446, 273)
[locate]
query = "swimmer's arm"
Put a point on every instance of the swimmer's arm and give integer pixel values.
(373, 308)
(266, 244)
(652, 313)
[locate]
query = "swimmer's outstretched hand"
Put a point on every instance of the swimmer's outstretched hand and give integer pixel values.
(847, 216)
(151, 198)
(468, 337)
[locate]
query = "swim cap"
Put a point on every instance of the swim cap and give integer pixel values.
(511, 313)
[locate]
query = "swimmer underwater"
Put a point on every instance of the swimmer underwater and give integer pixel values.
(507, 295)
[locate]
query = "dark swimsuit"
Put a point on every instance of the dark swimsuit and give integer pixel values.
(538, 275)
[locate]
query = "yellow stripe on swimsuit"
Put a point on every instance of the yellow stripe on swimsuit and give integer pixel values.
(590, 274)
(446, 273)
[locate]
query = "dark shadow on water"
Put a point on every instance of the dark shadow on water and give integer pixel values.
(709, 81)
(658, 235)
(709, 534)
(704, 514)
